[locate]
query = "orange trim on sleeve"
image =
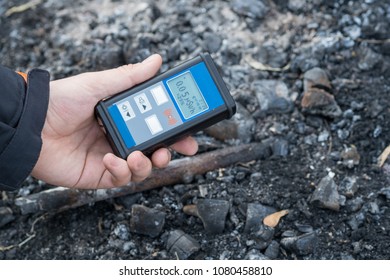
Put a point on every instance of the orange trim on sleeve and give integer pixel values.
(24, 75)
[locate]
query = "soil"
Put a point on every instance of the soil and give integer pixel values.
(252, 42)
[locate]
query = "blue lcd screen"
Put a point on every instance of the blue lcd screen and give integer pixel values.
(187, 95)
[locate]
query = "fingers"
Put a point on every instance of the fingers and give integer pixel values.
(137, 168)
(140, 166)
(187, 146)
(105, 83)
(162, 157)
(119, 172)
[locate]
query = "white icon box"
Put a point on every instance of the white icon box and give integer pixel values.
(142, 102)
(126, 110)
(154, 124)
(159, 95)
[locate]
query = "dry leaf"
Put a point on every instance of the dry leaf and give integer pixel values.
(263, 67)
(22, 8)
(382, 158)
(273, 219)
(191, 209)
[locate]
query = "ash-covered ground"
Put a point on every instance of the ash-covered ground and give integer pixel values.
(312, 83)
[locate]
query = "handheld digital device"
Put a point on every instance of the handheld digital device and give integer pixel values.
(170, 106)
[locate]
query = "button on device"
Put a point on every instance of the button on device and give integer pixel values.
(143, 103)
(153, 124)
(171, 119)
(126, 110)
(159, 95)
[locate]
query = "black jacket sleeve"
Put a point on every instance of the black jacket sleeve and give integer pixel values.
(23, 109)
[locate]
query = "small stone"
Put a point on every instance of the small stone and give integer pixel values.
(317, 101)
(109, 57)
(256, 176)
(146, 221)
(255, 214)
(314, 121)
(316, 78)
(240, 126)
(278, 128)
(353, 31)
(296, 5)
(342, 200)
(240, 176)
(181, 245)
(385, 192)
(331, 174)
(301, 128)
(304, 228)
(122, 232)
(335, 155)
(329, 44)
(373, 208)
(303, 63)
(280, 147)
(316, 98)
(212, 42)
(326, 194)
(357, 105)
(213, 214)
(288, 233)
(203, 191)
(354, 205)
(6, 216)
(273, 96)
(350, 157)
(347, 257)
(348, 186)
(348, 114)
(272, 250)
(304, 244)
(376, 108)
(263, 236)
(272, 56)
(342, 134)
(369, 59)
(324, 136)
(128, 200)
(129, 245)
(356, 247)
(377, 131)
(356, 221)
(256, 9)
(255, 254)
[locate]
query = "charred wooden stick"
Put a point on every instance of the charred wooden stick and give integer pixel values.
(60, 198)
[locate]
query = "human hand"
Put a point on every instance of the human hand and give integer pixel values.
(75, 152)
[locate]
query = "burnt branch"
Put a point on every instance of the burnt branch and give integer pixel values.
(60, 198)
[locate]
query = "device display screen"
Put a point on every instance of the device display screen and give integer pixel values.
(187, 95)
(165, 105)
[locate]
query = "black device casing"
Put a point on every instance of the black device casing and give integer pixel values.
(171, 136)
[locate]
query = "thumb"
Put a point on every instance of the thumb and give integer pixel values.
(105, 83)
